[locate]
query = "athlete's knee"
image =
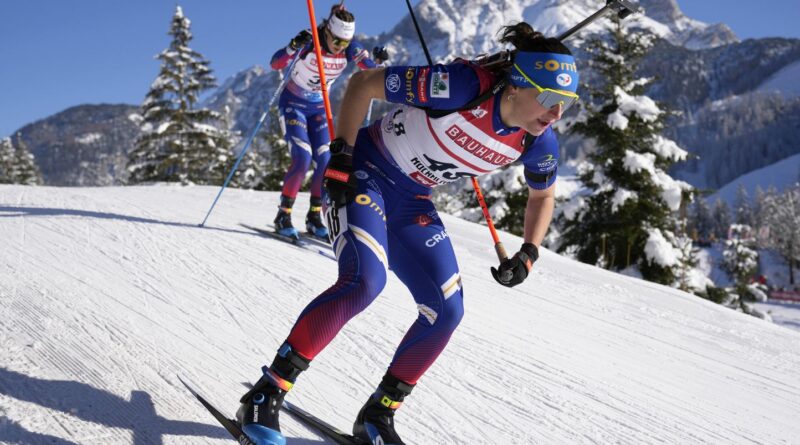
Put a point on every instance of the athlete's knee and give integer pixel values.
(363, 287)
(452, 312)
(300, 157)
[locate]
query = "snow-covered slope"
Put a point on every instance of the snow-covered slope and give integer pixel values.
(780, 175)
(785, 81)
(107, 294)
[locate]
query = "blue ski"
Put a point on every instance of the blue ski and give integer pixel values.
(229, 424)
(331, 432)
(302, 243)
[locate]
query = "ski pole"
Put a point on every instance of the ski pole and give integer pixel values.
(320, 66)
(623, 8)
(498, 246)
(261, 120)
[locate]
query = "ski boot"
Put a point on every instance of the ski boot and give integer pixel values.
(375, 421)
(260, 407)
(283, 222)
(314, 225)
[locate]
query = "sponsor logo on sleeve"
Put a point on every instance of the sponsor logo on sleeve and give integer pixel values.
(422, 84)
(547, 162)
(440, 85)
(393, 83)
(410, 96)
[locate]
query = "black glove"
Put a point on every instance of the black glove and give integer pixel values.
(380, 54)
(515, 269)
(300, 40)
(340, 182)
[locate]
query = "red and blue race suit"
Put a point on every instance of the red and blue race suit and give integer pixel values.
(392, 223)
(302, 110)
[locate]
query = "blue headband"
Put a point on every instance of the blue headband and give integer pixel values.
(548, 70)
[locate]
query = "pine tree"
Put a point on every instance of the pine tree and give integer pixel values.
(701, 222)
(689, 278)
(740, 260)
(784, 226)
(760, 218)
(17, 165)
(275, 156)
(7, 161)
(179, 142)
(27, 172)
(743, 207)
(630, 216)
(722, 219)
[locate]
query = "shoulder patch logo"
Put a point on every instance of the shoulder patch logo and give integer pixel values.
(393, 83)
(440, 85)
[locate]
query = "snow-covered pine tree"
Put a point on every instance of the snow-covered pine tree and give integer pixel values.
(743, 207)
(688, 277)
(179, 142)
(275, 156)
(740, 260)
(701, 224)
(759, 222)
(629, 217)
(7, 161)
(27, 172)
(17, 165)
(784, 226)
(721, 214)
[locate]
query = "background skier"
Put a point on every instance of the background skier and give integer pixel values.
(380, 214)
(302, 110)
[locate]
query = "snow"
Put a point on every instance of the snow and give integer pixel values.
(784, 81)
(781, 175)
(660, 251)
(668, 149)
(671, 189)
(784, 314)
(643, 106)
(107, 294)
(619, 198)
(88, 138)
(617, 120)
(636, 162)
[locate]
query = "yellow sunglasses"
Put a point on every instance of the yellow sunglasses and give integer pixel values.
(549, 97)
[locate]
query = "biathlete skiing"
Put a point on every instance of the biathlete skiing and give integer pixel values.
(302, 110)
(451, 121)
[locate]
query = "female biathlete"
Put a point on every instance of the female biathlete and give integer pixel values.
(302, 110)
(378, 185)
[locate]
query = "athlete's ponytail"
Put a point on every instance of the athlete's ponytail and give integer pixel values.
(524, 38)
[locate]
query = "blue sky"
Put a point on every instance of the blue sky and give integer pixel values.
(55, 54)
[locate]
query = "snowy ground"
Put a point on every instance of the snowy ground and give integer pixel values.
(107, 294)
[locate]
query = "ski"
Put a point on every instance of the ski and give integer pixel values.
(329, 431)
(308, 236)
(228, 424)
(302, 243)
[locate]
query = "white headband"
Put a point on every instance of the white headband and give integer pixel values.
(341, 29)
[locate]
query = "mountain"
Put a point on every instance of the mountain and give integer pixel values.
(108, 294)
(85, 145)
(701, 69)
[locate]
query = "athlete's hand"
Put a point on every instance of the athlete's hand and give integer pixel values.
(340, 182)
(515, 269)
(300, 40)
(380, 54)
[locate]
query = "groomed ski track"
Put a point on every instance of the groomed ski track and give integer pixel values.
(106, 294)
